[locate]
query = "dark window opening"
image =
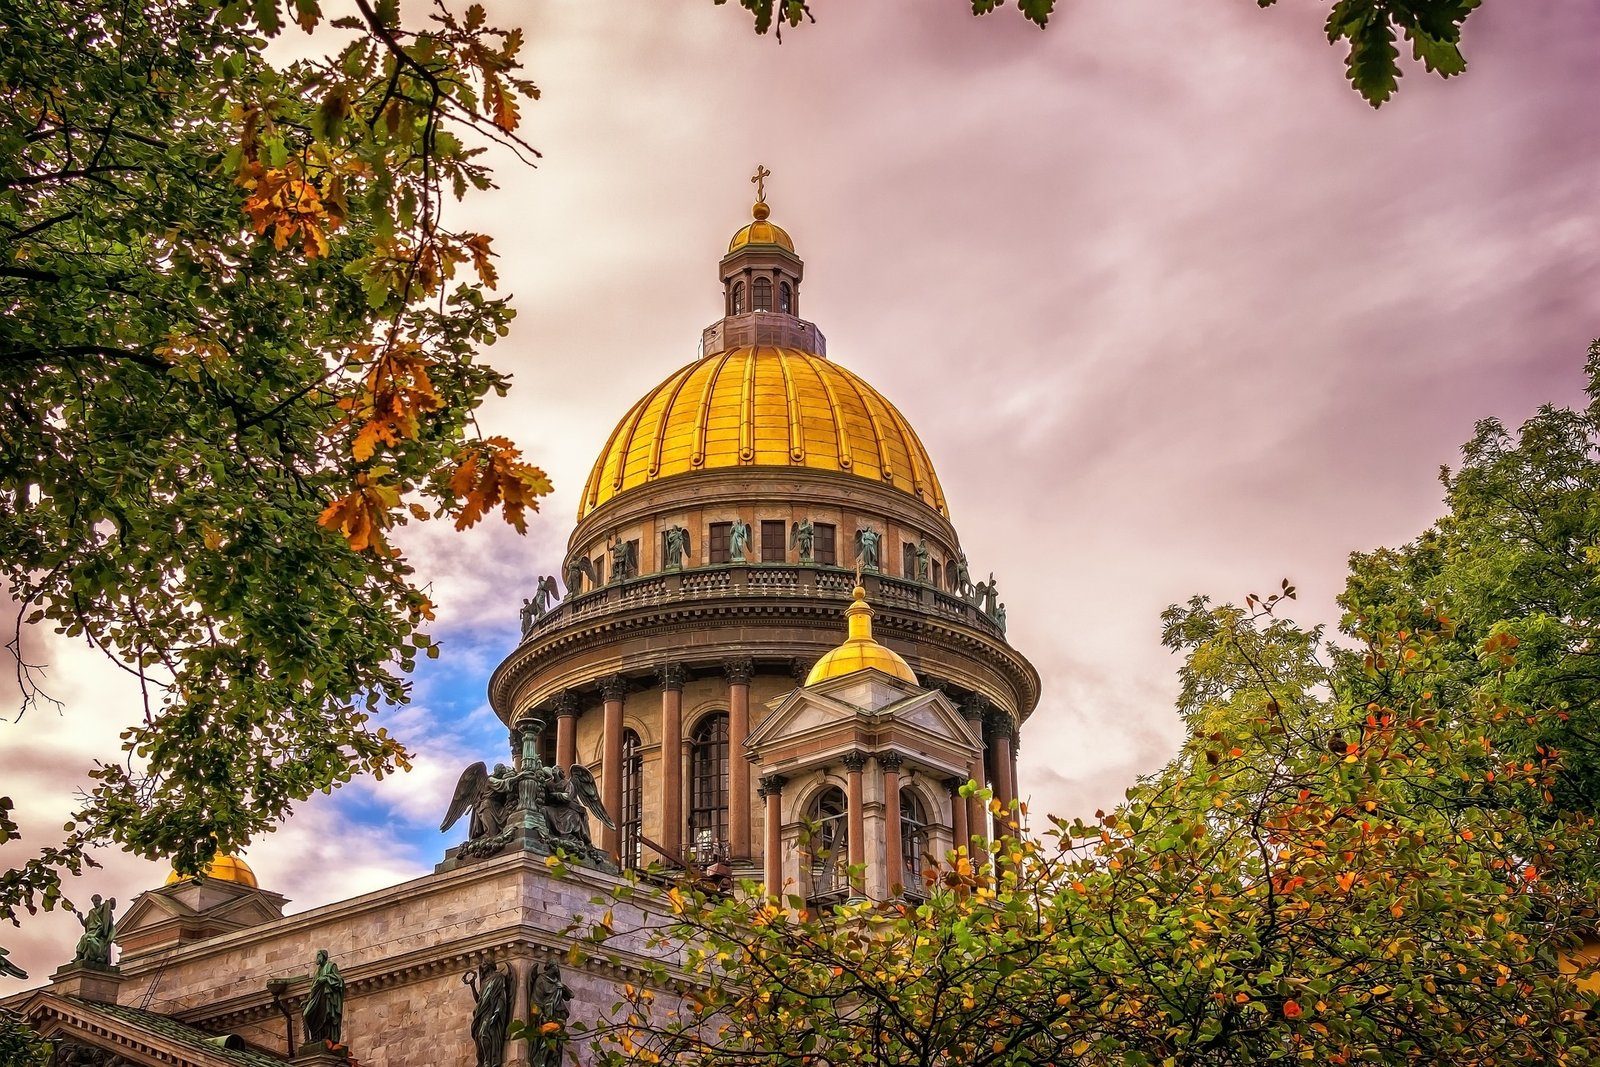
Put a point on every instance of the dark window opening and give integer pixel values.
(828, 847)
(915, 843)
(908, 560)
(773, 547)
(718, 543)
(938, 576)
(761, 294)
(599, 571)
(785, 298)
(822, 545)
(737, 301)
(708, 783)
(632, 798)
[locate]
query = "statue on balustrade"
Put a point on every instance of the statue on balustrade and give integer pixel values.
(922, 559)
(551, 806)
(991, 590)
(803, 539)
(624, 559)
(1000, 617)
(578, 569)
(489, 797)
(868, 543)
(738, 540)
(99, 927)
(676, 546)
(963, 577)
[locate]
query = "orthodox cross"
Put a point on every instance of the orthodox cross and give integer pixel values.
(760, 180)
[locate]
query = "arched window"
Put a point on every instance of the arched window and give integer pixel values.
(828, 847)
(785, 298)
(761, 294)
(632, 798)
(737, 304)
(914, 839)
(708, 782)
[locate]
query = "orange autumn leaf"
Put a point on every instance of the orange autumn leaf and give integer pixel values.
(1292, 1009)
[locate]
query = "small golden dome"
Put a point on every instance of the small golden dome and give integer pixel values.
(760, 232)
(764, 407)
(223, 868)
(859, 650)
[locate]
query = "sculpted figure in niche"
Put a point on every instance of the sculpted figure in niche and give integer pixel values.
(323, 1011)
(738, 540)
(550, 998)
(677, 546)
(922, 559)
(803, 539)
(491, 1011)
(99, 926)
(868, 543)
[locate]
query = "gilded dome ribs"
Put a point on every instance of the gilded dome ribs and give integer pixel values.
(660, 441)
(797, 439)
(885, 461)
(747, 406)
(704, 418)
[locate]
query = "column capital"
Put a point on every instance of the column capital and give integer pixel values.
(567, 705)
(954, 786)
(672, 676)
(613, 687)
(1001, 724)
(772, 785)
(854, 760)
(937, 685)
(890, 761)
(740, 669)
(975, 706)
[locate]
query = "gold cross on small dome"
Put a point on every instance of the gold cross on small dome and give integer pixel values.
(760, 181)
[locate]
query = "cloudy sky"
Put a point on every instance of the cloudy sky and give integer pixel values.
(1172, 309)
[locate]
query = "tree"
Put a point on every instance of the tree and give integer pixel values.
(1371, 27)
(240, 346)
(1516, 560)
(1299, 885)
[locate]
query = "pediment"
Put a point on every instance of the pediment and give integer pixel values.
(114, 1035)
(811, 712)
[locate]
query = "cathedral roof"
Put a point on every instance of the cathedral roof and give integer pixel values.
(223, 868)
(762, 406)
(760, 232)
(859, 651)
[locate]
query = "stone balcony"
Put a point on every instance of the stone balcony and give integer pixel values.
(746, 580)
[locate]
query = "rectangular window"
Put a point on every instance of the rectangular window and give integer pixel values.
(717, 543)
(908, 560)
(599, 571)
(823, 548)
(773, 532)
(938, 578)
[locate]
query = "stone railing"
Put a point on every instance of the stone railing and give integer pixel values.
(756, 580)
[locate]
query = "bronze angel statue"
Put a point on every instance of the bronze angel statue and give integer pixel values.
(566, 795)
(579, 568)
(488, 797)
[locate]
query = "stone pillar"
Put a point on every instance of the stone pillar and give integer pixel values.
(894, 882)
(672, 677)
(98, 985)
(516, 1054)
(974, 709)
(855, 807)
(958, 812)
(613, 690)
(566, 730)
(772, 792)
(739, 672)
(1005, 786)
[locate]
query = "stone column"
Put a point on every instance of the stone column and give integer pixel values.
(672, 677)
(739, 671)
(772, 792)
(1005, 785)
(516, 1054)
(566, 730)
(958, 812)
(974, 709)
(855, 805)
(613, 690)
(890, 763)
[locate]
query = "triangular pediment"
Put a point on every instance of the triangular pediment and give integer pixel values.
(134, 1036)
(812, 713)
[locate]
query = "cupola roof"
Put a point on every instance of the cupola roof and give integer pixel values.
(859, 651)
(760, 232)
(223, 868)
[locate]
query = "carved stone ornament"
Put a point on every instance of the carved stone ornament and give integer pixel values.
(891, 761)
(672, 676)
(740, 669)
(614, 687)
(772, 785)
(854, 761)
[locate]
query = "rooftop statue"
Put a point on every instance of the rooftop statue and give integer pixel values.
(963, 577)
(868, 542)
(99, 927)
(677, 546)
(922, 559)
(323, 1011)
(624, 559)
(803, 538)
(738, 540)
(577, 570)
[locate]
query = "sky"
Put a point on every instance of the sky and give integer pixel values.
(1173, 310)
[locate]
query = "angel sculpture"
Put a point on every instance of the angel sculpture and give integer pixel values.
(545, 593)
(566, 795)
(803, 537)
(676, 542)
(867, 542)
(738, 540)
(487, 796)
(578, 569)
(624, 560)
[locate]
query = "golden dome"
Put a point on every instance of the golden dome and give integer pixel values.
(762, 407)
(223, 869)
(859, 650)
(760, 232)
